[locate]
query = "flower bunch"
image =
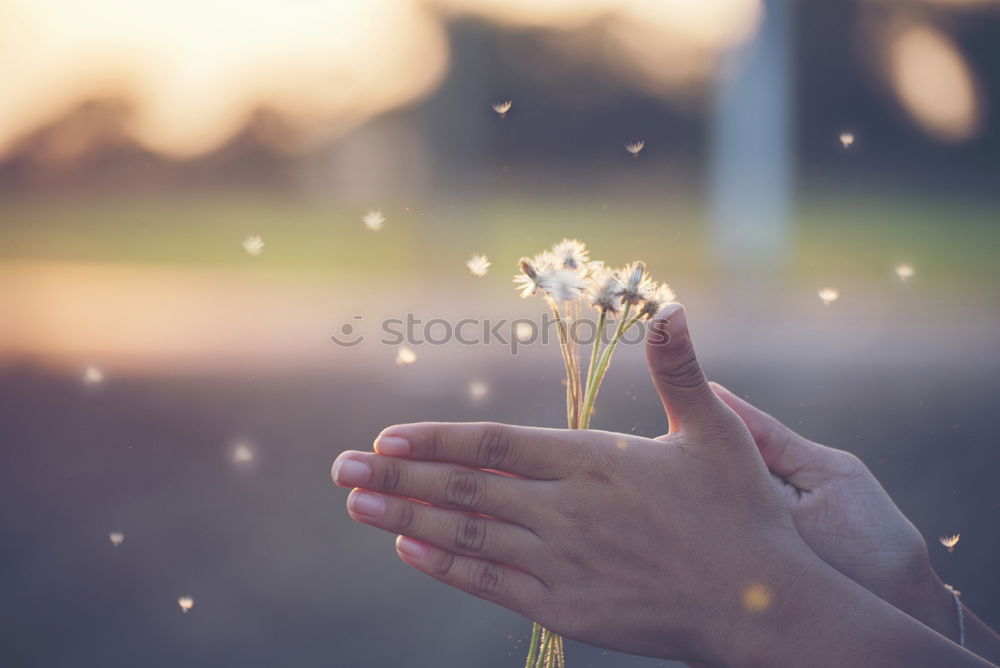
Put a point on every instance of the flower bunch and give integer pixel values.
(569, 281)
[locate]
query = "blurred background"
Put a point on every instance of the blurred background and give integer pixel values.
(183, 190)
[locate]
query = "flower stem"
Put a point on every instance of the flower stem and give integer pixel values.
(602, 319)
(532, 659)
(602, 366)
(572, 372)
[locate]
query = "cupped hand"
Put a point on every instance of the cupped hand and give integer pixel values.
(658, 547)
(847, 518)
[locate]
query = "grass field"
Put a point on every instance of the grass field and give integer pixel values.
(856, 239)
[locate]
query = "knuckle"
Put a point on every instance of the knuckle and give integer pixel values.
(851, 464)
(470, 533)
(685, 372)
(579, 522)
(444, 567)
(486, 578)
(407, 517)
(602, 464)
(392, 474)
(495, 448)
(465, 490)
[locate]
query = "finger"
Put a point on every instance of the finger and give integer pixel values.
(526, 451)
(517, 590)
(676, 373)
(786, 453)
(452, 530)
(448, 485)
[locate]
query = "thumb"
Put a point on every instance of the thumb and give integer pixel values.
(786, 453)
(676, 373)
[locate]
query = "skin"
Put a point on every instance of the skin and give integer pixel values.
(681, 547)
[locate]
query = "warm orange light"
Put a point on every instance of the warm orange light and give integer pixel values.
(934, 83)
(182, 78)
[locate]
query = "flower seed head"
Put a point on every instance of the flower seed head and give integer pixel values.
(637, 284)
(564, 285)
(658, 297)
(603, 289)
(571, 254)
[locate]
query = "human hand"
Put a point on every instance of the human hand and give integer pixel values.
(661, 547)
(846, 517)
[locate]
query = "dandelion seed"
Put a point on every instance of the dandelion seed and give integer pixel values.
(478, 389)
(186, 603)
(503, 107)
(571, 254)
(828, 295)
(950, 542)
(524, 331)
(116, 538)
(846, 139)
(635, 147)
(405, 356)
(660, 296)
(904, 271)
(373, 220)
(478, 265)
(243, 453)
(92, 375)
(253, 245)
(637, 285)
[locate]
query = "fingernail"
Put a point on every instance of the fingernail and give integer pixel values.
(366, 503)
(668, 310)
(394, 446)
(411, 547)
(351, 472)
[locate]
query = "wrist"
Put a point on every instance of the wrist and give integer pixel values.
(755, 611)
(931, 603)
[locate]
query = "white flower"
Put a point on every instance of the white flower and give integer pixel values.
(253, 245)
(478, 265)
(92, 375)
(846, 139)
(116, 538)
(603, 290)
(186, 603)
(904, 271)
(373, 220)
(564, 285)
(828, 295)
(637, 285)
(405, 355)
(534, 273)
(635, 147)
(949, 542)
(571, 254)
(660, 296)
(503, 107)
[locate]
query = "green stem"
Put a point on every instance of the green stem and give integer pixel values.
(536, 630)
(602, 319)
(572, 374)
(602, 367)
(549, 650)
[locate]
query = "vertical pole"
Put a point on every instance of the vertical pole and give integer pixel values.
(750, 179)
